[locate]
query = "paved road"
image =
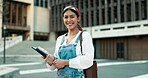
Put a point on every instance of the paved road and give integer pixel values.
(107, 69)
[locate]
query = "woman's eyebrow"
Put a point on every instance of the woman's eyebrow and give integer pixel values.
(70, 15)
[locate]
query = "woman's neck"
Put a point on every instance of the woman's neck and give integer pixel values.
(73, 32)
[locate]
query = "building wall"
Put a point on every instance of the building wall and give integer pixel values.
(41, 22)
(100, 12)
(112, 24)
(22, 16)
(18, 18)
(30, 20)
(135, 48)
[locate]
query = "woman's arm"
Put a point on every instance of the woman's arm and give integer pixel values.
(86, 60)
(49, 64)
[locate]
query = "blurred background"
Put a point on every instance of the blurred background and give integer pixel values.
(119, 29)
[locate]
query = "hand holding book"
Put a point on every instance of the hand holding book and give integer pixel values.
(48, 58)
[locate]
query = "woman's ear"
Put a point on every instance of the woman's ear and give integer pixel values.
(79, 19)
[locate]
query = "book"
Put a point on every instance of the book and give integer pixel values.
(41, 51)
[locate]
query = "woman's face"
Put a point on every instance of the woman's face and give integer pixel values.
(70, 20)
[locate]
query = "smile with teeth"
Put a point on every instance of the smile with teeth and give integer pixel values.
(70, 24)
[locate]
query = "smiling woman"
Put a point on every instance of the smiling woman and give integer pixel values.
(70, 20)
(68, 58)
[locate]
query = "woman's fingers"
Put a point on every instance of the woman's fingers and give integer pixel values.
(43, 57)
(49, 59)
(59, 63)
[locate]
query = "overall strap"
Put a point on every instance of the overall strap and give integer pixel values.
(78, 38)
(63, 39)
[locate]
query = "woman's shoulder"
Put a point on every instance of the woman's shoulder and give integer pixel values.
(60, 37)
(85, 33)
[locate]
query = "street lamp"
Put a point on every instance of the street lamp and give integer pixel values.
(4, 28)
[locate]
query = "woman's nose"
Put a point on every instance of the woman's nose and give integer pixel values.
(69, 19)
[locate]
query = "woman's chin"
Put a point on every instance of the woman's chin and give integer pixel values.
(70, 27)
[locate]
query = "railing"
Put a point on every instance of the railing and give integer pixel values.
(10, 41)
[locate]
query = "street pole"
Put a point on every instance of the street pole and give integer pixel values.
(4, 27)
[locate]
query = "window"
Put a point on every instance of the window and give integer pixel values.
(143, 9)
(120, 50)
(19, 14)
(36, 2)
(42, 3)
(13, 13)
(6, 13)
(128, 12)
(46, 4)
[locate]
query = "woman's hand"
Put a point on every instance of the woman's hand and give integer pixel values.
(49, 59)
(59, 63)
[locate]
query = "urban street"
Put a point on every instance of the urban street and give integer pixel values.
(106, 69)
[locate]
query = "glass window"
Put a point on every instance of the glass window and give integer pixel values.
(143, 9)
(19, 14)
(41, 3)
(120, 50)
(129, 12)
(24, 15)
(46, 4)
(13, 13)
(36, 2)
(6, 13)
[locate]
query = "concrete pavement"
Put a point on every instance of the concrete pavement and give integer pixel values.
(106, 69)
(31, 64)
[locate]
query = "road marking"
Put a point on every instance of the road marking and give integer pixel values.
(101, 60)
(22, 64)
(48, 70)
(21, 55)
(120, 63)
(99, 64)
(141, 76)
(35, 71)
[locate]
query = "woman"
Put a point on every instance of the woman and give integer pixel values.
(68, 58)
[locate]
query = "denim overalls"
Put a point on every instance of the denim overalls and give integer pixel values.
(67, 52)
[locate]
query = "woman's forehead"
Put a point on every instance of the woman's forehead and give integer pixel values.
(69, 13)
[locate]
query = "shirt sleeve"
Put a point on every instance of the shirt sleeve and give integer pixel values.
(86, 60)
(55, 53)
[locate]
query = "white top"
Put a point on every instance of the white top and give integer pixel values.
(81, 61)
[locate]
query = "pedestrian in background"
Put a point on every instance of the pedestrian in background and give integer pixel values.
(68, 58)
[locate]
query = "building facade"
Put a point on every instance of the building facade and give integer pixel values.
(119, 28)
(41, 20)
(17, 18)
(29, 18)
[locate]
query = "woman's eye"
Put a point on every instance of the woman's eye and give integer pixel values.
(72, 16)
(66, 17)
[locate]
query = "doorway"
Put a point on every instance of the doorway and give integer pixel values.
(120, 50)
